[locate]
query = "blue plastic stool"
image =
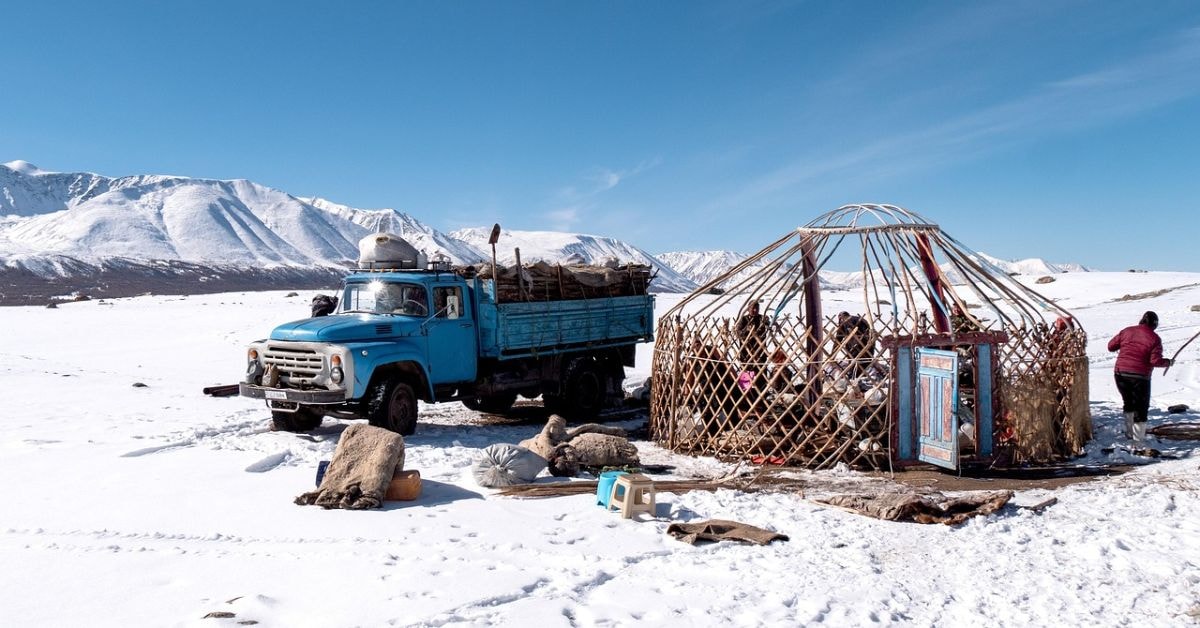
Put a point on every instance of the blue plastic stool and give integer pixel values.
(604, 486)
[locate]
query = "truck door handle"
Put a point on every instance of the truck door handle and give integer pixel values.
(464, 325)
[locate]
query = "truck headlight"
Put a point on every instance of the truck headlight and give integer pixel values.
(252, 367)
(336, 373)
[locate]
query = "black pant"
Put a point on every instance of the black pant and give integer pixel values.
(1135, 392)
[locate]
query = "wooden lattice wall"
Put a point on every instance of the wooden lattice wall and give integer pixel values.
(720, 395)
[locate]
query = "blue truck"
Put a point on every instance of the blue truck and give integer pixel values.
(411, 330)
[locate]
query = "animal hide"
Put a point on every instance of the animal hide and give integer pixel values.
(554, 433)
(604, 450)
(923, 508)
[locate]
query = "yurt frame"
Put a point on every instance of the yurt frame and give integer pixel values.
(924, 378)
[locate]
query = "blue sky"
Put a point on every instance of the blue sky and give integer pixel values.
(1058, 129)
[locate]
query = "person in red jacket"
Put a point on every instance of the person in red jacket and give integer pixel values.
(1140, 352)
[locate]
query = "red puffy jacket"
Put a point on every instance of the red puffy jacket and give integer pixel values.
(1140, 350)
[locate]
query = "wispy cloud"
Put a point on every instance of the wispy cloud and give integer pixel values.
(571, 202)
(1124, 89)
(562, 219)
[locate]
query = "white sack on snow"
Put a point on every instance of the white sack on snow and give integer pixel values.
(503, 464)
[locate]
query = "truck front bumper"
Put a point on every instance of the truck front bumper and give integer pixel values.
(288, 394)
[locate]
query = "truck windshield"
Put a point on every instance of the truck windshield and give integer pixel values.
(381, 297)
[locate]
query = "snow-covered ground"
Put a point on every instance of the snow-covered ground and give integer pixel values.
(156, 505)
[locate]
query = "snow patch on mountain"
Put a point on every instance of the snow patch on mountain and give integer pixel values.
(24, 167)
(415, 232)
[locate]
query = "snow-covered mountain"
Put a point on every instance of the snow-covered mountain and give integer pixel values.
(63, 232)
(154, 217)
(556, 246)
(704, 266)
(417, 233)
(108, 231)
(1033, 266)
(701, 266)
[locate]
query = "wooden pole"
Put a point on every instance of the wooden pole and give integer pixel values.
(929, 265)
(520, 285)
(812, 314)
(1180, 351)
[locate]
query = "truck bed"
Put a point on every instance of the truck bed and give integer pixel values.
(513, 330)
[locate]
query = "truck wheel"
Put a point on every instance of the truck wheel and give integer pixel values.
(302, 420)
(393, 406)
(583, 391)
(494, 404)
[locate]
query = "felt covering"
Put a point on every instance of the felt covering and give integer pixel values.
(361, 469)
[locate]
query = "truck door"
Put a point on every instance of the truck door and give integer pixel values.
(453, 355)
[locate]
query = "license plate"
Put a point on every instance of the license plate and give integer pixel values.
(276, 394)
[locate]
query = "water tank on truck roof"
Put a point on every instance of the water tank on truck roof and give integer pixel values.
(387, 251)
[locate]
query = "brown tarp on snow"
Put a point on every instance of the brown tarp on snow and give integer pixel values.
(721, 530)
(922, 508)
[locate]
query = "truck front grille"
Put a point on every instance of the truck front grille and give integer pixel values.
(297, 367)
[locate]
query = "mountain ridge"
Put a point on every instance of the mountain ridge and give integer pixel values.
(85, 231)
(62, 225)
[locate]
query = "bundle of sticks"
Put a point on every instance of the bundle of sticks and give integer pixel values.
(542, 281)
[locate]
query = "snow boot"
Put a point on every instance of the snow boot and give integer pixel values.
(1139, 441)
(1139, 433)
(1129, 417)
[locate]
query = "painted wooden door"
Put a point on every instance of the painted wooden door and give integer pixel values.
(937, 400)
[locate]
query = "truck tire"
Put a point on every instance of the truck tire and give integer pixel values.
(583, 391)
(302, 420)
(494, 404)
(392, 405)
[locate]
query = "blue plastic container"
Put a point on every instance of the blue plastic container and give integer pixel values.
(321, 467)
(604, 486)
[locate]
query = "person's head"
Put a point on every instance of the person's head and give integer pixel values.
(752, 307)
(843, 317)
(1062, 323)
(1149, 319)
